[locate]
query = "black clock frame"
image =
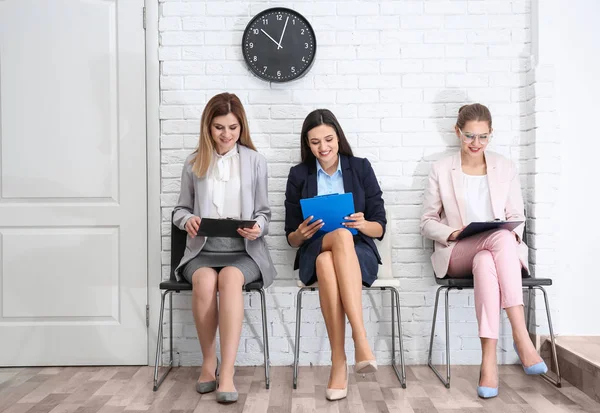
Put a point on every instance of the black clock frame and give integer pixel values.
(248, 29)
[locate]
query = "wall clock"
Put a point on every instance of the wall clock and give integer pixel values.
(279, 45)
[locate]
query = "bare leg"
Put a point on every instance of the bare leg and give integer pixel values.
(204, 308)
(527, 352)
(335, 319)
(347, 270)
(489, 363)
(231, 315)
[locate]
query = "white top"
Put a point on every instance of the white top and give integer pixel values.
(223, 185)
(478, 203)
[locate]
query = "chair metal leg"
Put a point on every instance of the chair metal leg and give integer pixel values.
(557, 381)
(297, 342)
(529, 307)
(263, 306)
(159, 341)
(395, 295)
(392, 302)
(171, 326)
(447, 325)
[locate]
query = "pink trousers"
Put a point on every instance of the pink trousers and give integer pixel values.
(493, 260)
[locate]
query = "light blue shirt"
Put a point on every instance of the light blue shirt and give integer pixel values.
(330, 184)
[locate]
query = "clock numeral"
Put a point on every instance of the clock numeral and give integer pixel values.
(303, 59)
(279, 17)
(294, 22)
(255, 58)
(302, 32)
(264, 69)
(278, 73)
(306, 45)
(251, 45)
(265, 21)
(293, 69)
(255, 31)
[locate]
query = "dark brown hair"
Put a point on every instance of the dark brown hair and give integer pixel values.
(474, 112)
(316, 118)
(219, 105)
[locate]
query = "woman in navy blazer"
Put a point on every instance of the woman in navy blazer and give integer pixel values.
(342, 263)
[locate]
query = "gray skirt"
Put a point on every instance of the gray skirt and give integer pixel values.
(219, 253)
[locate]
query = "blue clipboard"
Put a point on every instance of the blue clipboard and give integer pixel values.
(331, 209)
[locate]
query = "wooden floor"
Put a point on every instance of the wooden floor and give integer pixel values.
(125, 389)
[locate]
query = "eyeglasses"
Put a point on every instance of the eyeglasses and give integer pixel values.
(469, 137)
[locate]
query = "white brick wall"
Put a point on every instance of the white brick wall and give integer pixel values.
(395, 73)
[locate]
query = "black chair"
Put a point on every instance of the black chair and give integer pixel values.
(449, 284)
(178, 239)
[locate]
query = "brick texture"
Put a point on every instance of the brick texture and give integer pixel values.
(395, 74)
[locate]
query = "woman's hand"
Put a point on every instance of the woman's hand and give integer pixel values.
(250, 233)
(357, 221)
(455, 234)
(305, 231)
(192, 225)
(517, 237)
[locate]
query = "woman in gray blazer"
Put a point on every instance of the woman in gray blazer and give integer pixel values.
(224, 178)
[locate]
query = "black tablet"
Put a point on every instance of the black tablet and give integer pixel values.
(478, 227)
(211, 227)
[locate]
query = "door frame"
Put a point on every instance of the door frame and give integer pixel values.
(154, 265)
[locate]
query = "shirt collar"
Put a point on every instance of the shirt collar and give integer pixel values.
(233, 151)
(339, 167)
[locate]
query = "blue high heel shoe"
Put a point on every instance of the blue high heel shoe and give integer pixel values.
(536, 369)
(486, 392)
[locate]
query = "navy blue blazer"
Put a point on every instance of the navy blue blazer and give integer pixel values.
(359, 178)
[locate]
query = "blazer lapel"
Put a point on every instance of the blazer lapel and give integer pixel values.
(246, 179)
(311, 181)
(457, 182)
(205, 201)
(347, 174)
(492, 176)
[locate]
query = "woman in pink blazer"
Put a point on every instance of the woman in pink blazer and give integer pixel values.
(478, 185)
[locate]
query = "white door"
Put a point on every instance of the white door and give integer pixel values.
(72, 183)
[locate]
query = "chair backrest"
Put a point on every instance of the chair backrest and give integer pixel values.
(178, 240)
(385, 251)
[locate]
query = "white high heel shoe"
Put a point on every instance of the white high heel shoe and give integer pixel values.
(367, 366)
(337, 394)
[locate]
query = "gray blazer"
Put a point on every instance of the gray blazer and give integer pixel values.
(255, 205)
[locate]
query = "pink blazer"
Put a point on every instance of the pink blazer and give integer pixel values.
(444, 204)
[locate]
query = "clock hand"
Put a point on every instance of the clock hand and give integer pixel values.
(274, 41)
(281, 38)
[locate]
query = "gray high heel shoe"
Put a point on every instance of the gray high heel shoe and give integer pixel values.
(227, 396)
(208, 386)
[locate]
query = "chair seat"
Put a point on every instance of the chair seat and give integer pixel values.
(175, 285)
(186, 286)
(386, 282)
(379, 283)
(468, 282)
(255, 285)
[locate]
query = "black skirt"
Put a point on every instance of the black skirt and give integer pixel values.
(307, 257)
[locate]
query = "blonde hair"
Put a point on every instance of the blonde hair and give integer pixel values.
(219, 105)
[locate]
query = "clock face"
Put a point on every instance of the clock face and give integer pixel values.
(279, 45)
